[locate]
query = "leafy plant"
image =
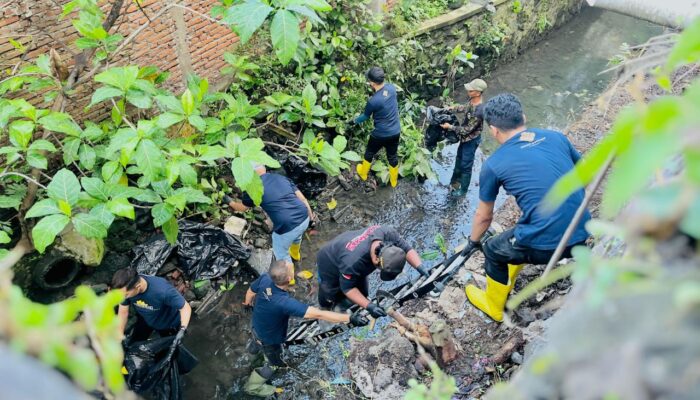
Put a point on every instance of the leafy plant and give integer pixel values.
(321, 154)
(442, 387)
(543, 23)
(310, 112)
(440, 242)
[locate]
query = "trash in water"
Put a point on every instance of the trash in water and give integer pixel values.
(203, 251)
(305, 274)
(153, 369)
(435, 133)
(308, 179)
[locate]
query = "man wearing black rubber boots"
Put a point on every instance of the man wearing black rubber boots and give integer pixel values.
(383, 108)
(345, 262)
(527, 164)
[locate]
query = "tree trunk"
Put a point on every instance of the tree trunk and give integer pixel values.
(671, 13)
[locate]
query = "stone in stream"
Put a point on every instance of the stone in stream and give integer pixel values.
(260, 260)
(235, 226)
(83, 250)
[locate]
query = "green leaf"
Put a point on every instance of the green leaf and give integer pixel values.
(139, 99)
(243, 172)
(351, 156)
(161, 213)
(95, 188)
(112, 172)
(193, 195)
(21, 133)
(318, 5)
(187, 101)
(284, 31)
(150, 159)
(170, 230)
(148, 196)
(87, 156)
(169, 119)
(104, 93)
(42, 208)
(188, 175)
(255, 189)
(687, 47)
(60, 122)
(46, 230)
(65, 207)
(339, 143)
(10, 201)
(64, 186)
(89, 226)
(121, 207)
(247, 17)
(120, 77)
(4, 238)
(42, 145)
(211, 153)
(36, 159)
(71, 146)
(100, 212)
(306, 12)
(198, 122)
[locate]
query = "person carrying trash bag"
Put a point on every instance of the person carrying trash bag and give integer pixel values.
(345, 262)
(383, 108)
(289, 211)
(469, 133)
(159, 306)
(527, 164)
(272, 307)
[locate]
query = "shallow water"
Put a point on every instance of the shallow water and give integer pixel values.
(554, 80)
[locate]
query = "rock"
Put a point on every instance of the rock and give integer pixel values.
(83, 250)
(451, 301)
(381, 367)
(260, 260)
(235, 226)
(167, 267)
(517, 358)
(260, 243)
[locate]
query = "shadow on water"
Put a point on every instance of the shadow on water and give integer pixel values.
(553, 79)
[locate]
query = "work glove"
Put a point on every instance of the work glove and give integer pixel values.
(423, 270)
(179, 336)
(471, 245)
(227, 199)
(358, 319)
(375, 311)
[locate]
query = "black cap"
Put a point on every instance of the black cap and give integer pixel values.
(376, 75)
(391, 262)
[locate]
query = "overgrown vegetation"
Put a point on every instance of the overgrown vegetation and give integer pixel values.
(412, 12)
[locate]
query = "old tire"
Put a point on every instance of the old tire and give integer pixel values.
(55, 271)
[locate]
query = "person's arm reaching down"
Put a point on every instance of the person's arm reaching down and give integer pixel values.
(482, 220)
(357, 297)
(123, 316)
(185, 315)
(249, 297)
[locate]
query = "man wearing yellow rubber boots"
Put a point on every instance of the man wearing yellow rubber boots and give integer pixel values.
(383, 107)
(527, 164)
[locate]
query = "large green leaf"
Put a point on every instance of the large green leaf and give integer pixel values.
(306, 12)
(112, 172)
(284, 32)
(247, 17)
(170, 230)
(71, 145)
(95, 188)
(104, 93)
(46, 230)
(87, 156)
(150, 159)
(318, 5)
(243, 172)
(187, 101)
(255, 189)
(89, 226)
(60, 122)
(36, 159)
(64, 186)
(10, 201)
(250, 146)
(169, 119)
(42, 208)
(42, 145)
(161, 213)
(120, 77)
(21, 133)
(121, 207)
(100, 211)
(139, 99)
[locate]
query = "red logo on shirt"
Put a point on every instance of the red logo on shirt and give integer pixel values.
(348, 277)
(351, 245)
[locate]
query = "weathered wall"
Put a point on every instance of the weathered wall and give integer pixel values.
(36, 24)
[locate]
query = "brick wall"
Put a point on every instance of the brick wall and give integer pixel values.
(36, 24)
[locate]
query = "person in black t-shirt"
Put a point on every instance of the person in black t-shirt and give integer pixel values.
(289, 211)
(469, 136)
(345, 262)
(159, 306)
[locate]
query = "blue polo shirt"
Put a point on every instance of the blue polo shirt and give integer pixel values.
(159, 305)
(383, 107)
(272, 309)
(527, 166)
(280, 202)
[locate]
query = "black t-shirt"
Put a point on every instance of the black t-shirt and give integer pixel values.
(280, 202)
(272, 309)
(346, 259)
(159, 305)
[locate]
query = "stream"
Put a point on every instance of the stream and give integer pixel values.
(554, 79)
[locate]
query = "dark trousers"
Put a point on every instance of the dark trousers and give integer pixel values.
(391, 144)
(329, 293)
(466, 152)
(272, 352)
(142, 331)
(503, 249)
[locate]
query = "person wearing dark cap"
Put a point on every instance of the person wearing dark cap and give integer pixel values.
(469, 133)
(527, 164)
(383, 108)
(345, 262)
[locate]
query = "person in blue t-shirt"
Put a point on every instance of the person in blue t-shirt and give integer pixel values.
(383, 107)
(527, 165)
(159, 306)
(273, 306)
(288, 209)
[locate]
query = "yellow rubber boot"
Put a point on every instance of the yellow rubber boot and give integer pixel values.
(292, 281)
(513, 271)
(492, 301)
(295, 251)
(394, 175)
(363, 169)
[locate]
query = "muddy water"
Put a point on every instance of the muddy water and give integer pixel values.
(553, 80)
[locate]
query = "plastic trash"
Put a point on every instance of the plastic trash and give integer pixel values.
(308, 179)
(152, 368)
(203, 251)
(434, 133)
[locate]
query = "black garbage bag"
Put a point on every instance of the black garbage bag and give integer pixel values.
(434, 133)
(203, 251)
(308, 179)
(153, 369)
